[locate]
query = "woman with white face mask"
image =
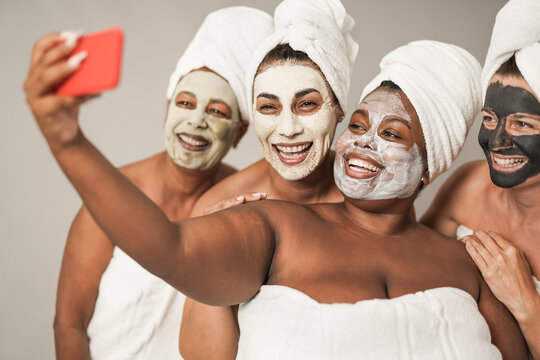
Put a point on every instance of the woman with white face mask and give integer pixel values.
(109, 307)
(298, 83)
(357, 279)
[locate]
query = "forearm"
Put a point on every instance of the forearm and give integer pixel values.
(529, 323)
(130, 220)
(71, 342)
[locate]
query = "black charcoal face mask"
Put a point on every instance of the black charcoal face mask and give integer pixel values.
(504, 101)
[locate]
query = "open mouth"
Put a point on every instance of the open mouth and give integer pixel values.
(362, 166)
(193, 142)
(507, 163)
(292, 154)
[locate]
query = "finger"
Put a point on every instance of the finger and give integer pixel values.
(476, 256)
(467, 238)
(255, 196)
(499, 240)
(43, 45)
(58, 53)
(86, 98)
(487, 241)
(48, 79)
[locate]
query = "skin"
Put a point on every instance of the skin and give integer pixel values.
(505, 248)
(210, 332)
(88, 250)
(357, 249)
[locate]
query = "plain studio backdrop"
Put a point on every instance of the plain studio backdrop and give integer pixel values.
(38, 203)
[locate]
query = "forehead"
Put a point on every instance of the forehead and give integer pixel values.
(206, 84)
(383, 102)
(509, 95)
(287, 79)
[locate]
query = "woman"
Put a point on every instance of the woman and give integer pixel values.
(408, 289)
(107, 305)
(298, 82)
(500, 197)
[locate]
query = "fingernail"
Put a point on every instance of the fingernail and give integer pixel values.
(71, 36)
(240, 198)
(258, 194)
(76, 59)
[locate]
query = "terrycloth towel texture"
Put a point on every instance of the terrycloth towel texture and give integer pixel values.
(321, 29)
(516, 31)
(442, 82)
(225, 43)
(442, 323)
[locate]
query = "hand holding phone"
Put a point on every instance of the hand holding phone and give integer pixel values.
(100, 69)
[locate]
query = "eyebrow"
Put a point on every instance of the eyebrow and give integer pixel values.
(268, 96)
(362, 112)
(304, 93)
(186, 93)
(403, 121)
(487, 108)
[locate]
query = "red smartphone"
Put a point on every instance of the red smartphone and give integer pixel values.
(100, 70)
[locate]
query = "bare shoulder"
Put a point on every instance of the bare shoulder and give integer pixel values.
(140, 172)
(467, 178)
(240, 182)
(225, 170)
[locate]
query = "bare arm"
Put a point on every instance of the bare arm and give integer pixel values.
(206, 258)
(86, 256)
(505, 332)
(443, 212)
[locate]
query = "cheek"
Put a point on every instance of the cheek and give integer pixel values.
(393, 153)
(346, 140)
(176, 116)
(222, 128)
(320, 124)
(483, 137)
(264, 125)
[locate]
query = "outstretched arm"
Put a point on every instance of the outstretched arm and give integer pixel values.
(207, 258)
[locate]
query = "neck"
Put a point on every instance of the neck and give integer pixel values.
(382, 217)
(185, 183)
(525, 197)
(313, 188)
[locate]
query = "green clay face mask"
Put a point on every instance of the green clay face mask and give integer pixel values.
(197, 133)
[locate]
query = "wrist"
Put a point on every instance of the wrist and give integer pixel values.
(529, 311)
(66, 141)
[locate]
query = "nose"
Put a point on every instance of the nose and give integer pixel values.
(198, 118)
(366, 142)
(500, 139)
(288, 124)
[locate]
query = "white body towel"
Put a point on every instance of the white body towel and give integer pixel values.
(442, 82)
(137, 315)
(516, 31)
(442, 323)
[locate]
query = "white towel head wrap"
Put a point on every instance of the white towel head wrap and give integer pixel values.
(319, 28)
(442, 82)
(225, 43)
(516, 31)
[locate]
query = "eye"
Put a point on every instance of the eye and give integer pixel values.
(267, 107)
(487, 118)
(216, 111)
(523, 124)
(184, 103)
(390, 134)
(308, 103)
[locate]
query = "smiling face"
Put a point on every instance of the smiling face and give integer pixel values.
(379, 156)
(202, 120)
(294, 118)
(510, 132)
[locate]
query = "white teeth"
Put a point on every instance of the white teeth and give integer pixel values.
(290, 156)
(356, 162)
(508, 163)
(289, 150)
(192, 141)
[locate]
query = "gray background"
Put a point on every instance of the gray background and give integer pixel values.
(37, 202)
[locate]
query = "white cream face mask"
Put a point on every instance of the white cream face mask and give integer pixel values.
(369, 167)
(198, 136)
(295, 145)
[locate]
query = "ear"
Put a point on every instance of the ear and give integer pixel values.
(340, 114)
(425, 178)
(240, 132)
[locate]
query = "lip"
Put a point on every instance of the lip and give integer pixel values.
(361, 172)
(193, 142)
(507, 169)
(292, 156)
